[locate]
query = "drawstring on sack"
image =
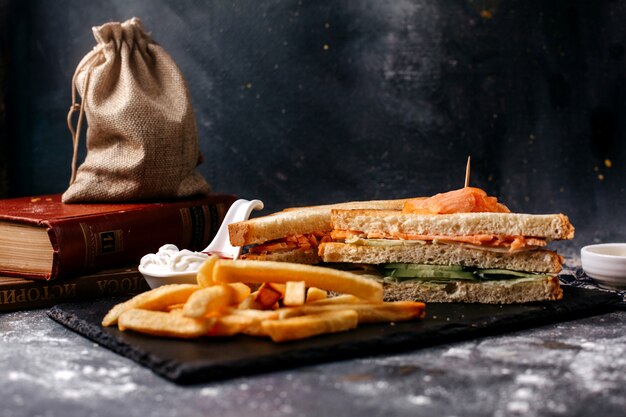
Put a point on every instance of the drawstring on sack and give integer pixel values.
(89, 65)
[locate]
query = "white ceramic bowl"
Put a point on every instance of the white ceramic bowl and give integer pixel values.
(155, 280)
(606, 264)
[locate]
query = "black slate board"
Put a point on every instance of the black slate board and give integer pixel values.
(202, 360)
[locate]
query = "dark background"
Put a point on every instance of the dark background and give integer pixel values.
(309, 102)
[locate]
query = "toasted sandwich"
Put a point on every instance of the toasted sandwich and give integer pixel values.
(293, 235)
(461, 246)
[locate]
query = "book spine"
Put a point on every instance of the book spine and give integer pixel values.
(86, 244)
(25, 295)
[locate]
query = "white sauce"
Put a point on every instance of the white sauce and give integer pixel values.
(170, 259)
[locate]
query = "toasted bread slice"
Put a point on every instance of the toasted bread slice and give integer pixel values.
(297, 220)
(548, 226)
(539, 260)
(542, 288)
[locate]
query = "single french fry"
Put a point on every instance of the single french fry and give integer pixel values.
(278, 287)
(213, 298)
(242, 321)
(227, 271)
(315, 294)
(159, 323)
(267, 296)
(242, 290)
(178, 311)
(157, 299)
(231, 324)
(208, 299)
(310, 325)
(256, 329)
(205, 273)
(340, 299)
(253, 318)
(294, 293)
(250, 303)
(368, 313)
(392, 312)
(254, 313)
(175, 307)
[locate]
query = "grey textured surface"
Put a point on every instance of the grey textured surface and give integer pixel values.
(572, 368)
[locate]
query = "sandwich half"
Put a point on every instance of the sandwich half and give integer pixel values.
(294, 234)
(486, 256)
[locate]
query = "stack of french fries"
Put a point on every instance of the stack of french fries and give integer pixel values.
(289, 302)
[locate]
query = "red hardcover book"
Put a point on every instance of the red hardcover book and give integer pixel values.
(42, 238)
(21, 294)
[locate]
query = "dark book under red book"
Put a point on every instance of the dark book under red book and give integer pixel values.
(21, 294)
(43, 238)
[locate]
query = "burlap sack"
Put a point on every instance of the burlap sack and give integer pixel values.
(142, 141)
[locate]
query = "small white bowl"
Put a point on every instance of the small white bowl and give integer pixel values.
(155, 280)
(606, 264)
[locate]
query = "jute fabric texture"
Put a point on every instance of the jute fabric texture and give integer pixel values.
(142, 140)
